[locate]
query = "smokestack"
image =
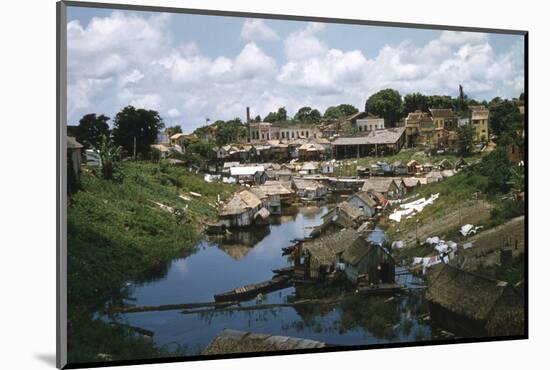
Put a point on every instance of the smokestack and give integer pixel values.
(248, 123)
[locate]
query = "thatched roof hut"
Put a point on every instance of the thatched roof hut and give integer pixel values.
(240, 202)
(323, 252)
(236, 341)
(471, 302)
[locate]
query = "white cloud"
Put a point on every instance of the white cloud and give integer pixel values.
(303, 43)
(126, 59)
(257, 30)
(174, 113)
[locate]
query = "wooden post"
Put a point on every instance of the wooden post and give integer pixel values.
(134, 148)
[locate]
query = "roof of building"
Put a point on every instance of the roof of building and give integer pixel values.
(309, 166)
(355, 252)
(246, 170)
(378, 184)
(307, 184)
(178, 135)
(240, 202)
(365, 198)
(442, 113)
(73, 144)
(262, 213)
(357, 115)
(312, 147)
(325, 248)
(410, 182)
(234, 341)
(352, 211)
(274, 188)
(478, 108)
(385, 136)
(465, 293)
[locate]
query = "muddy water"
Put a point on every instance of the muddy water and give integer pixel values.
(249, 258)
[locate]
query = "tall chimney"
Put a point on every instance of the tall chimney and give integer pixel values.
(248, 123)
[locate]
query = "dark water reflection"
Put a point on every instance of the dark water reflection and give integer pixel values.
(220, 266)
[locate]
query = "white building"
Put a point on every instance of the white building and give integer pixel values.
(370, 123)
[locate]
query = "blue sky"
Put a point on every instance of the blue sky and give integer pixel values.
(189, 67)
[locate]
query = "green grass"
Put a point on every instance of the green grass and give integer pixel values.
(115, 233)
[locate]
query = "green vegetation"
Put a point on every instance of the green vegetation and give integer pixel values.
(118, 231)
(136, 129)
(91, 129)
(386, 103)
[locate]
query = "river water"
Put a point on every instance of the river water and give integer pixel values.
(249, 258)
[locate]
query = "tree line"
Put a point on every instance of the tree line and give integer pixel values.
(136, 129)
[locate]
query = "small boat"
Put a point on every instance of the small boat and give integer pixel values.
(381, 289)
(247, 292)
(284, 271)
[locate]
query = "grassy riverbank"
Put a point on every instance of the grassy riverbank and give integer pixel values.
(117, 232)
(466, 198)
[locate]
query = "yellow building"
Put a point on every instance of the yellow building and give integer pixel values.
(480, 122)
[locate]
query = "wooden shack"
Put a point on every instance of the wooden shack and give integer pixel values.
(240, 210)
(368, 263)
(364, 202)
(470, 304)
(322, 254)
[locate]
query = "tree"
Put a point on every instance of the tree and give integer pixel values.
(333, 113)
(465, 139)
(139, 126)
(496, 167)
(110, 155)
(386, 103)
(230, 131)
(414, 102)
(173, 130)
(278, 116)
(257, 119)
(307, 115)
(504, 117)
(91, 128)
(441, 102)
(347, 109)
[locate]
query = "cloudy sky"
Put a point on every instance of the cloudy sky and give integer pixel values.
(193, 67)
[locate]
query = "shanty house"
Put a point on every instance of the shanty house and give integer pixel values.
(309, 168)
(345, 216)
(368, 263)
(74, 158)
(388, 187)
(249, 174)
(309, 189)
(445, 165)
(276, 194)
(311, 151)
(434, 176)
(240, 210)
(399, 168)
(471, 304)
(322, 253)
(327, 168)
(364, 202)
(411, 183)
(413, 167)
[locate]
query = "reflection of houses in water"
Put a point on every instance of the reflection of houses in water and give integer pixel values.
(249, 237)
(236, 251)
(470, 304)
